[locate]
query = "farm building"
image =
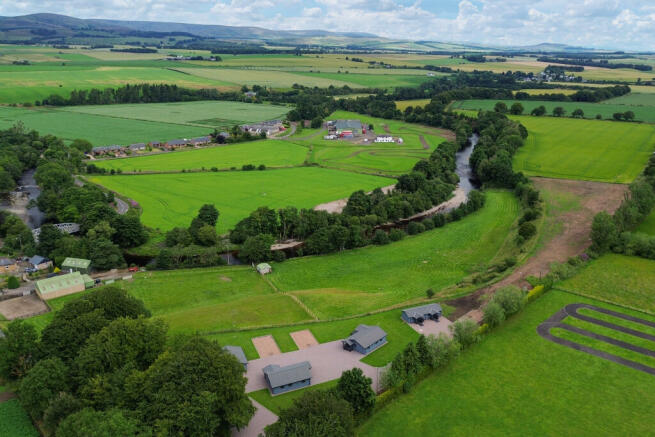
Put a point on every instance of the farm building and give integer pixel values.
(174, 144)
(76, 265)
(365, 339)
(155, 144)
(238, 353)
(354, 126)
(287, 378)
(330, 137)
(106, 150)
(39, 262)
(137, 147)
(200, 141)
(63, 285)
(264, 268)
(250, 94)
(420, 314)
(269, 127)
(8, 265)
(384, 139)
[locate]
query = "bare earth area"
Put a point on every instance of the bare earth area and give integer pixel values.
(266, 346)
(22, 307)
(337, 206)
(303, 339)
(571, 239)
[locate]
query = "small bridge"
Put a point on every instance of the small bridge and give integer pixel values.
(69, 228)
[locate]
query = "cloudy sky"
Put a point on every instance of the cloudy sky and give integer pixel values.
(616, 24)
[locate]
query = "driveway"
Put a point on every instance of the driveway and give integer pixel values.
(262, 418)
(328, 361)
(432, 327)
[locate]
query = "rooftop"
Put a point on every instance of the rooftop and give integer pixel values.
(56, 283)
(366, 335)
(6, 262)
(348, 124)
(237, 351)
(432, 308)
(37, 259)
(78, 263)
(279, 376)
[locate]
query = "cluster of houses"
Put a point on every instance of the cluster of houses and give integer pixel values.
(77, 279)
(118, 150)
(36, 263)
(268, 127)
(344, 129)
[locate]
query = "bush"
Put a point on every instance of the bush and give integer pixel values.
(261, 167)
(279, 256)
(429, 293)
(439, 220)
(535, 293)
(428, 224)
(414, 228)
(527, 230)
(510, 298)
(13, 282)
(396, 234)
(493, 315)
(464, 332)
(380, 238)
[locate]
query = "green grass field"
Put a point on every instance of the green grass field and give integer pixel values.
(373, 277)
(283, 401)
(517, 383)
(634, 99)
(624, 280)
(14, 421)
(584, 149)
(268, 152)
(170, 200)
(648, 225)
(642, 112)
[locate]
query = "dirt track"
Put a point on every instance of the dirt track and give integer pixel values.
(571, 239)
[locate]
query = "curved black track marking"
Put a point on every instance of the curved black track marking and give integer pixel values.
(555, 321)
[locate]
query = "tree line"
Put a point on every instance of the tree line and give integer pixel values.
(603, 63)
(102, 366)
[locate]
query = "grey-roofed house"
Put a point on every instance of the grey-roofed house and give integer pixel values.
(136, 147)
(287, 378)
(238, 353)
(349, 125)
(102, 150)
(365, 339)
(420, 314)
(200, 140)
(172, 144)
(39, 262)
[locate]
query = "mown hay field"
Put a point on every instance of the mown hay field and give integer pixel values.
(594, 150)
(374, 277)
(271, 153)
(486, 396)
(170, 200)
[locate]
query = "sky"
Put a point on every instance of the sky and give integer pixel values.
(612, 24)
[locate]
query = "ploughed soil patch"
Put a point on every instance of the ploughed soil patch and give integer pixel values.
(567, 231)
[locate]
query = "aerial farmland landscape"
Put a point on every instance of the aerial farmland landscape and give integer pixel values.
(324, 219)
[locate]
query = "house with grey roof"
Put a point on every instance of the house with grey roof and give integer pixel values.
(200, 140)
(365, 339)
(137, 147)
(238, 353)
(104, 150)
(422, 313)
(287, 378)
(39, 262)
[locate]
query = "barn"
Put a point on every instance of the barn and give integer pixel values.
(287, 378)
(365, 339)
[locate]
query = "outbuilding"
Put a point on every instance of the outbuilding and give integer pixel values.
(62, 285)
(384, 139)
(365, 339)
(238, 353)
(76, 265)
(287, 378)
(264, 268)
(38, 262)
(8, 265)
(422, 313)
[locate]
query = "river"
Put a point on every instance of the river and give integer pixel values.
(16, 201)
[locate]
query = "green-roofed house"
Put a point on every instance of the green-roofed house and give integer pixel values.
(63, 285)
(76, 265)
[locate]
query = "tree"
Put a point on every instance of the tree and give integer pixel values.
(423, 350)
(257, 248)
(539, 111)
(17, 349)
(43, 382)
(355, 387)
(48, 239)
(500, 107)
(83, 146)
(318, 413)
(105, 255)
(464, 332)
(129, 231)
(493, 314)
(617, 116)
(527, 230)
(628, 115)
(316, 122)
(442, 349)
(516, 109)
(429, 293)
(194, 388)
(208, 214)
(206, 236)
(358, 204)
(52, 176)
(91, 423)
(578, 113)
(558, 111)
(13, 282)
(604, 234)
(380, 237)
(178, 236)
(60, 407)
(510, 298)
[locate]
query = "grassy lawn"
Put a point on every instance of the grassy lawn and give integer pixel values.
(14, 421)
(270, 153)
(173, 200)
(625, 280)
(648, 225)
(373, 277)
(584, 149)
(517, 383)
(283, 401)
(605, 109)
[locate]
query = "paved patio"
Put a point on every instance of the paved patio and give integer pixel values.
(432, 327)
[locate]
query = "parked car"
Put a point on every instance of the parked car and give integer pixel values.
(133, 269)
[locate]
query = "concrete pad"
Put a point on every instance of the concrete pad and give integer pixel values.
(430, 327)
(266, 346)
(304, 339)
(262, 418)
(22, 307)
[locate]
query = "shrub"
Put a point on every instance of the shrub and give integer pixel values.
(429, 293)
(279, 256)
(439, 220)
(535, 293)
(380, 238)
(510, 298)
(261, 167)
(494, 314)
(464, 331)
(414, 228)
(428, 224)
(13, 282)
(396, 234)
(527, 230)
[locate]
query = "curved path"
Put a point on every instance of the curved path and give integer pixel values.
(571, 310)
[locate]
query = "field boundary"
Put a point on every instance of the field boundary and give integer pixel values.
(604, 300)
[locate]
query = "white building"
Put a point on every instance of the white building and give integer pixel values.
(384, 139)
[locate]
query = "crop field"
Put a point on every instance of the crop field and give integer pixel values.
(634, 99)
(536, 91)
(170, 200)
(125, 124)
(271, 153)
(356, 80)
(584, 149)
(624, 280)
(374, 277)
(14, 421)
(515, 380)
(642, 112)
(210, 114)
(403, 104)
